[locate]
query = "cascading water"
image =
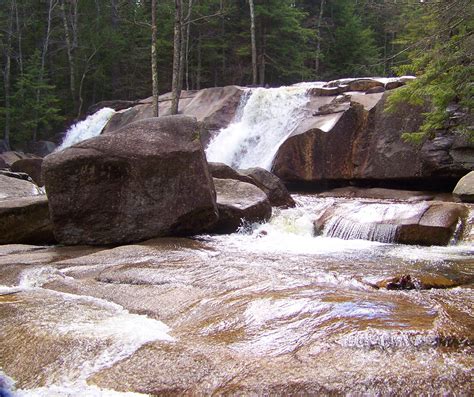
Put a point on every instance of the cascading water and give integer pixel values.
(268, 116)
(90, 127)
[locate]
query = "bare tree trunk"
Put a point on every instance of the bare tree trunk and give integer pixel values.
(176, 57)
(19, 38)
(253, 40)
(221, 9)
(188, 35)
(51, 6)
(185, 23)
(262, 58)
(318, 40)
(199, 63)
(154, 62)
(6, 75)
(72, 67)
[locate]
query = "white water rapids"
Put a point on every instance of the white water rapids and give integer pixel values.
(91, 127)
(266, 118)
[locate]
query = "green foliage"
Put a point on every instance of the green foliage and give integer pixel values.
(442, 59)
(35, 106)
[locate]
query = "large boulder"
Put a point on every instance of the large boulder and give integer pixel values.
(25, 220)
(273, 187)
(351, 138)
(464, 189)
(15, 185)
(239, 202)
(422, 223)
(148, 179)
(30, 166)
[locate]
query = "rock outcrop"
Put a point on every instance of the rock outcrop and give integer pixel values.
(148, 179)
(239, 202)
(213, 108)
(30, 166)
(423, 223)
(25, 220)
(464, 189)
(13, 185)
(351, 138)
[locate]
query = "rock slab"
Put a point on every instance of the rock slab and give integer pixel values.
(25, 220)
(148, 179)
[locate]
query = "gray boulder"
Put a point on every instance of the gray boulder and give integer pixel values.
(239, 202)
(25, 220)
(464, 189)
(273, 187)
(148, 179)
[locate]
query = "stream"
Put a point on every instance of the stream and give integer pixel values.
(271, 309)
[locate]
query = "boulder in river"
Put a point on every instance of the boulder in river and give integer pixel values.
(464, 189)
(239, 202)
(274, 188)
(422, 223)
(25, 220)
(148, 179)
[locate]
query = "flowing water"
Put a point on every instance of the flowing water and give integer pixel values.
(272, 309)
(266, 118)
(91, 127)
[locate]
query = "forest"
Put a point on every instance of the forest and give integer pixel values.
(59, 57)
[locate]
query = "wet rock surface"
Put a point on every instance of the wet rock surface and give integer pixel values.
(148, 179)
(246, 315)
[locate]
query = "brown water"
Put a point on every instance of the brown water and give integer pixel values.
(280, 312)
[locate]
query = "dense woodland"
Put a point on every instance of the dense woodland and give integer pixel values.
(58, 57)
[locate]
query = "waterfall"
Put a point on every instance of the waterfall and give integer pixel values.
(90, 127)
(370, 221)
(350, 230)
(267, 117)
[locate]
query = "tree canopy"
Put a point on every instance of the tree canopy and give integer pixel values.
(58, 57)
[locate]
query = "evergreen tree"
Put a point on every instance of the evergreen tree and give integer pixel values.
(35, 105)
(440, 49)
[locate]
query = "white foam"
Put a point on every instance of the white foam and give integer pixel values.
(90, 127)
(268, 117)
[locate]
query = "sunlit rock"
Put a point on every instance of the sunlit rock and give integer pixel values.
(464, 189)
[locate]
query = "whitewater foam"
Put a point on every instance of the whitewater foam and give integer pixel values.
(268, 117)
(90, 127)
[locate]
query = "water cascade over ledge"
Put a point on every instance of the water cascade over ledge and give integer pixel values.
(265, 119)
(89, 128)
